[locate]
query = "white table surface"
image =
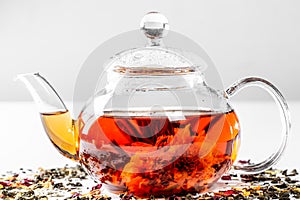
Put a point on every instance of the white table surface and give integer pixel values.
(23, 142)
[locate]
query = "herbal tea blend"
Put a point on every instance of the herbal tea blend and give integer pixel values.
(72, 183)
(166, 162)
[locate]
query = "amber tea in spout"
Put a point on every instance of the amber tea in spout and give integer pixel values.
(62, 132)
(160, 155)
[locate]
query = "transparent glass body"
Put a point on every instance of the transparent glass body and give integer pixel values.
(159, 132)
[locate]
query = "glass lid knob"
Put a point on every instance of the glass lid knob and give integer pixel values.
(155, 26)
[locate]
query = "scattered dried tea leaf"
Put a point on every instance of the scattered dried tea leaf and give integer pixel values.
(44, 184)
(70, 183)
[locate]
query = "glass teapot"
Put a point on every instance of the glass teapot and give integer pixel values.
(156, 127)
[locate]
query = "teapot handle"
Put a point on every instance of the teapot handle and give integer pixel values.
(277, 96)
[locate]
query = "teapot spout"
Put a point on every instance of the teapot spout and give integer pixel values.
(56, 119)
(43, 94)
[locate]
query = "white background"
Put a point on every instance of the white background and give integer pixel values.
(244, 38)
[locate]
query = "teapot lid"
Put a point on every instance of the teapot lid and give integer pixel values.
(154, 58)
(157, 52)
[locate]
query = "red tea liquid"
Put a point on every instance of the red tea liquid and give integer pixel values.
(160, 155)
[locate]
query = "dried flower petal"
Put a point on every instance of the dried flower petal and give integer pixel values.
(226, 177)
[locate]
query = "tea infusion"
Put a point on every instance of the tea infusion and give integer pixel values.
(154, 155)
